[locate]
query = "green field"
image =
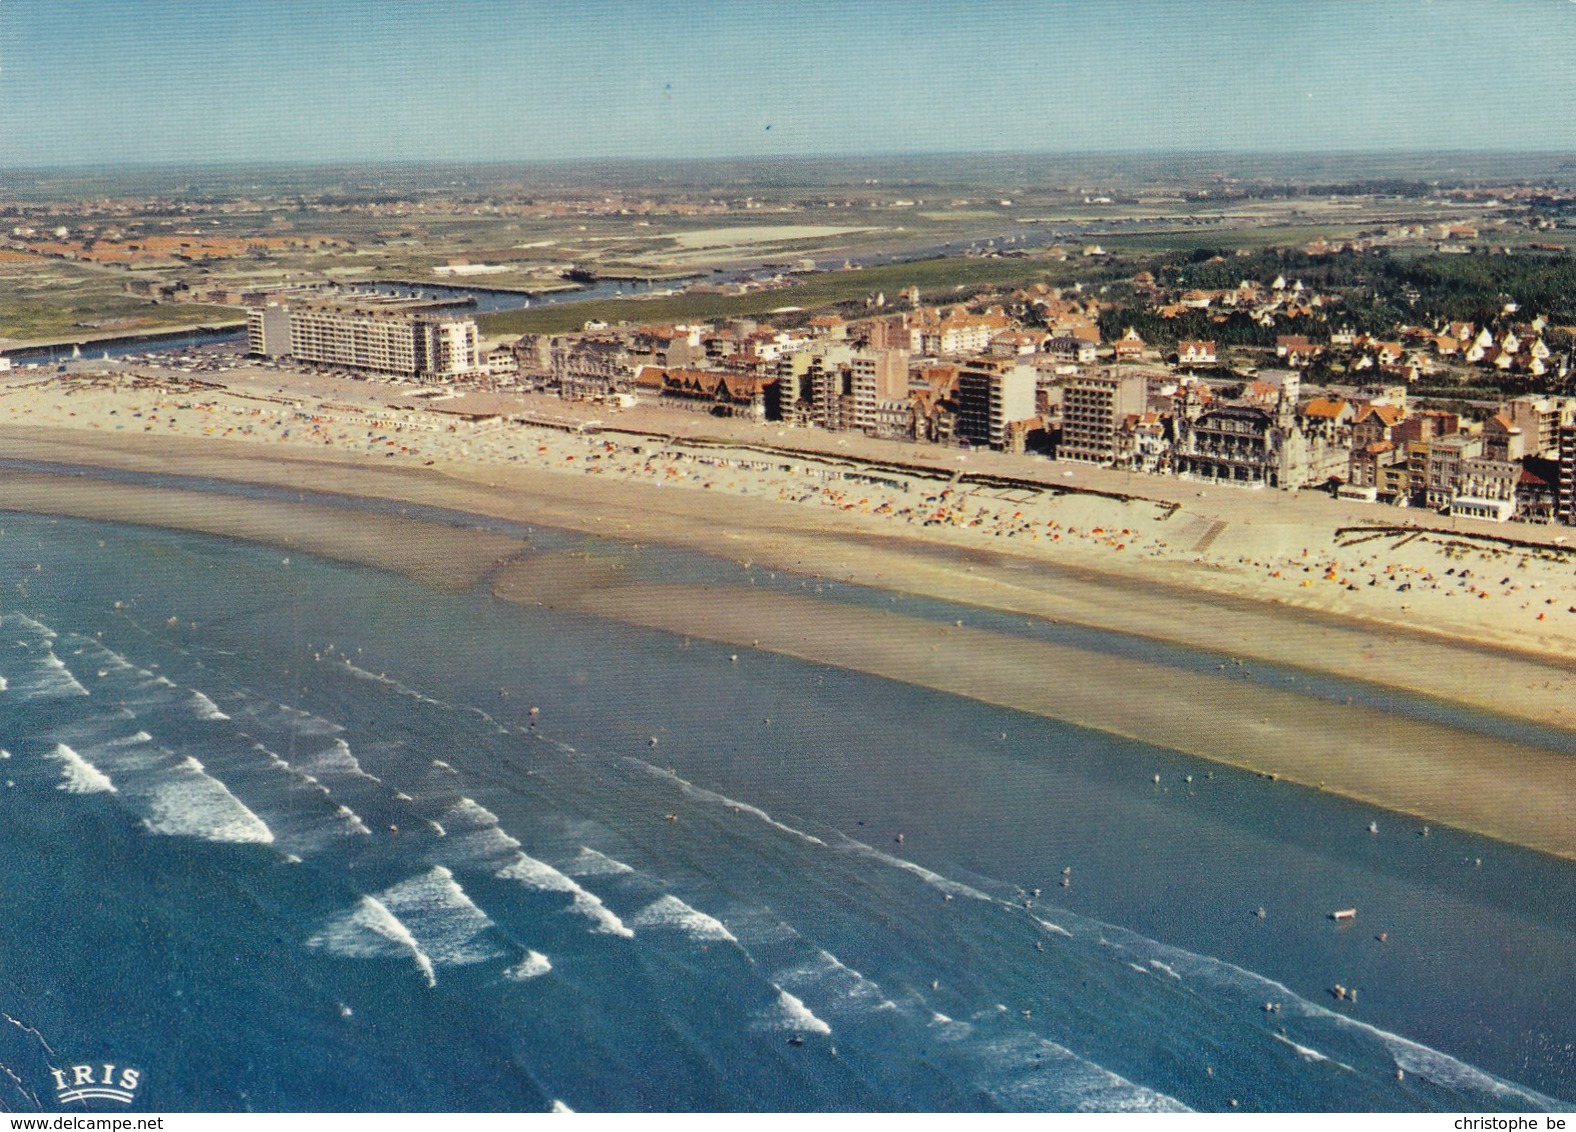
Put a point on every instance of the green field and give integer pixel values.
(51, 302)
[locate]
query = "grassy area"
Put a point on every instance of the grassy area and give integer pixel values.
(937, 279)
(61, 301)
(29, 320)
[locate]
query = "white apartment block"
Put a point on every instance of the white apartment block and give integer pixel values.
(413, 344)
(958, 335)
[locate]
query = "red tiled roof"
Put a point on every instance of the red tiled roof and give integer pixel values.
(1324, 407)
(1389, 414)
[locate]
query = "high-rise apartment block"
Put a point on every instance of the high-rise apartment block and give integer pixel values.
(370, 337)
(993, 394)
(1565, 494)
(1093, 407)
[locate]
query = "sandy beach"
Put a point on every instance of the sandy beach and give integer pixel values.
(1451, 614)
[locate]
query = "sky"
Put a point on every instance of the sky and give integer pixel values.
(242, 81)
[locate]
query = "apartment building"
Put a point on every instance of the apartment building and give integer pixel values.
(957, 334)
(1565, 490)
(817, 384)
(1093, 408)
(1445, 458)
(1538, 419)
(1486, 489)
(837, 386)
(878, 384)
(379, 339)
(993, 394)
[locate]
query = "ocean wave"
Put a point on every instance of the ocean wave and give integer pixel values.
(701, 794)
(173, 795)
(21, 621)
(281, 717)
(117, 678)
(671, 912)
(1452, 1073)
(835, 987)
(1027, 1073)
(1054, 929)
(448, 925)
(789, 1013)
(123, 754)
(533, 966)
(318, 818)
(473, 837)
(204, 708)
(1307, 1053)
(590, 863)
(544, 878)
(46, 678)
(469, 813)
(403, 689)
(948, 1029)
(1413, 1057)
(990, 1055)
(352, 819)
(336, 759)
(81, 776)
(371, 931)
(940, 883)
(92, 729)
(389, 682)
(479, 846)
(189, 802)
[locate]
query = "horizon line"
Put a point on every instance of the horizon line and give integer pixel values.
(110, 164)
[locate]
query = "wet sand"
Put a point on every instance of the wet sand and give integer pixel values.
(1505, 790)
(434, 553)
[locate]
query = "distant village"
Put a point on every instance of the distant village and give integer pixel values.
(1029, 371)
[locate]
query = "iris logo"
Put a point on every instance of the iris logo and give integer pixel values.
(96, 1083)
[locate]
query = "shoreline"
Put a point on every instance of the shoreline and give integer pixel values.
(1506, 790)
(1173, 599)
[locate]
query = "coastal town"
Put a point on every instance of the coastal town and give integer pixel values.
(1369, 422)
(1352, 399)
(1041, 371)
(788, 559)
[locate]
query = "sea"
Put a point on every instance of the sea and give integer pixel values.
(284, 834)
